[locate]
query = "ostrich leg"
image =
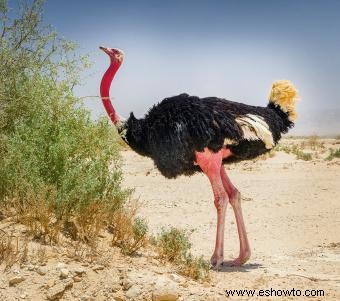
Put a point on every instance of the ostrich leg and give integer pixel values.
(235, 201)
(211, 163)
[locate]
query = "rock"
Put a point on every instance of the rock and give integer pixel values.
(41, 270)
(126, 283)
(79, 270)
(58, 290)
(30, 267)
(23, 295)
(165, 290)
(164, 296)
(119, 297)
(77, 278)
(60, 265)
(177, 278)
(16, 279)
(98, 268)
(50, 283)
(115, 287)
(133, 292)
(64, 273)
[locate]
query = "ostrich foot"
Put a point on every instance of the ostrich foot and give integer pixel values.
(242, 259)
(216, 261)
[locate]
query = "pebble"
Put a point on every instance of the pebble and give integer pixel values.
(176, 278)
(77, 278)
(164, 296)
(60, 265)
(133, 292)
(79, 270)
(98, 268)
(119, 297)
(58, 290)
(126, 283)
(15, 280)
(165, 290)
(41, 270)
(64, 273)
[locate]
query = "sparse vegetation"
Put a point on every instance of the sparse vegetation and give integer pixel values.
(173, 245)
(333, 154)
(295, 149)
(302, 155)
(129, 233)
(313, 142)
(195, 267)
(12, 249)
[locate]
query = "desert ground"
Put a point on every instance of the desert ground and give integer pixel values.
(292, 213)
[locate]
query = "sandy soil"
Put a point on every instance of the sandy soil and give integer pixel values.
(292, 213)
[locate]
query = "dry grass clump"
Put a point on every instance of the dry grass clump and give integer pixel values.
(173, 245)
(82, 252)
(129, 232)
(195, 267)
(35, 211)
(12, 249)
(313, 142)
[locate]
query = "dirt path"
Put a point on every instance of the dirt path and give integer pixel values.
(292, 213)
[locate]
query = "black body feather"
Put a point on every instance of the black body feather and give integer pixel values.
(174, 129)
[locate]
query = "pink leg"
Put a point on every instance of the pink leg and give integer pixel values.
(235, 201)
(211, 163)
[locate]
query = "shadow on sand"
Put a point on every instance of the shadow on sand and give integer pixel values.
(227, 267)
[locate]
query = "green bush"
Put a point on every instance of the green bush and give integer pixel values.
(173, 245)
(47, 140)
(333, 154)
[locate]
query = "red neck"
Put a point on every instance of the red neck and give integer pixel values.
(105, 90)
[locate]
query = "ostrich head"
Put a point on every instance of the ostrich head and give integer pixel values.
(116, 55)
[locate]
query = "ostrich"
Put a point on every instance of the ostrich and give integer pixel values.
(184, 134)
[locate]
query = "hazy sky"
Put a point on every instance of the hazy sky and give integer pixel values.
(231, 49)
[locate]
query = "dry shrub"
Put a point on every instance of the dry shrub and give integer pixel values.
(36, 212)
(129, 232)
(41, 254)
(195, 267)
(12, 249)
(80, 251)
(89, 221)
(313, 142)
(83, 227)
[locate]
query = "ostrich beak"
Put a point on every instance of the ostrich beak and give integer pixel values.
(113, 53)
(106, 50)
